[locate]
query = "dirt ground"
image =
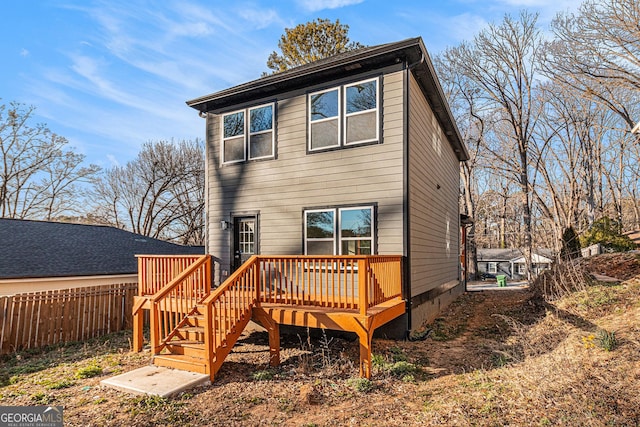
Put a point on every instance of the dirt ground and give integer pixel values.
(494, 358)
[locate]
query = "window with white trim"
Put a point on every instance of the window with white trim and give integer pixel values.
(492, 267)
(341, 231)
(248, 134)
(522, 268)
(344, 115)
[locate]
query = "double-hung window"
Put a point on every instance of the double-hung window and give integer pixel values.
(325, 119)
(361, 112)
(341, 231)
(345, 115)
(248, 134)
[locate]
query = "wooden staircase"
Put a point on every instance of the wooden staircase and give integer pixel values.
(186, 350)
(194, 328)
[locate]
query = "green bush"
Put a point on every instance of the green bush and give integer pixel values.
(263, 375)
(608, 233)
(361, 385)
(90, 371)
(606, 340)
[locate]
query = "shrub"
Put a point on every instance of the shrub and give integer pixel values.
(361, 385)
(608, 233)
(606, 340)
(402, 368)
(90, 371)
(262, 375)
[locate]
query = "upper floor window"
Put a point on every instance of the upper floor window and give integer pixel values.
(344, 115)
(254, 125)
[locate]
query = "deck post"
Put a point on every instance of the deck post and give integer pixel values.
(365, 353)
(138, 324)
(273, 328)
(154, 328)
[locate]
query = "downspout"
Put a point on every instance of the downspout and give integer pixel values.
(214, 271)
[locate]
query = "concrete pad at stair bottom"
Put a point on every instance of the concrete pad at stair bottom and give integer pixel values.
(157, 381)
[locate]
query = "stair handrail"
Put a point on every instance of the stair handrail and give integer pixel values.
(247, 276)
(154, 320)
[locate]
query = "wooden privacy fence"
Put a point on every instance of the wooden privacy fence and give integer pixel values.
(38, 319)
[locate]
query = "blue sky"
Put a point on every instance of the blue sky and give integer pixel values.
(110, 75)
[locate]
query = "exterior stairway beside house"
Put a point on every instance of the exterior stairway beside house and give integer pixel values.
(186, 349)
(194, 328)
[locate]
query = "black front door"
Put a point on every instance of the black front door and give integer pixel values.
(245, 232)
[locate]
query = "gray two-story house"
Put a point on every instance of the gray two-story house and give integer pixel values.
(356, 154)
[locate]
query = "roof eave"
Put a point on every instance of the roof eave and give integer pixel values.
(411, 51)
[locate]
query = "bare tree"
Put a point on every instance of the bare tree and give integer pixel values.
(502, 62)
(158, 194)
(597, 52)
(38, 178)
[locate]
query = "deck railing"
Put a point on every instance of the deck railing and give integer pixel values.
(155, 271)
(342, 282)
(385, 278)
(171, 304)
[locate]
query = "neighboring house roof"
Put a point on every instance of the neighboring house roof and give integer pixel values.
(56, 249)
(411, 52)
(513, 255)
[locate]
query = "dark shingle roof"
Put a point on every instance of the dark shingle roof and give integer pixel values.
(55, 249)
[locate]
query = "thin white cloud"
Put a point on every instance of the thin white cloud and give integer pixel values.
(113, 160)
(316, 5)
(464, 26)
(260, 18)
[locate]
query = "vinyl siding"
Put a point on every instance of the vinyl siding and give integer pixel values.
(433, 212)
(280, 189)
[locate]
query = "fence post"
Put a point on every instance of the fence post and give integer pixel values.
(363, 285)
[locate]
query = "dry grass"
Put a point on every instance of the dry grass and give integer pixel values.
(500, 358)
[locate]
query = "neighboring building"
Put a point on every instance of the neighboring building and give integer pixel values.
(511, 262)
(592, 250)
(41, 255)
(355, 154)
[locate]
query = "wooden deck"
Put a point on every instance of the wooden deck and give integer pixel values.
(193, 327)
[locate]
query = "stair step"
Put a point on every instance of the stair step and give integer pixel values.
(192, 333)
(181, 361)
(186, 347)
